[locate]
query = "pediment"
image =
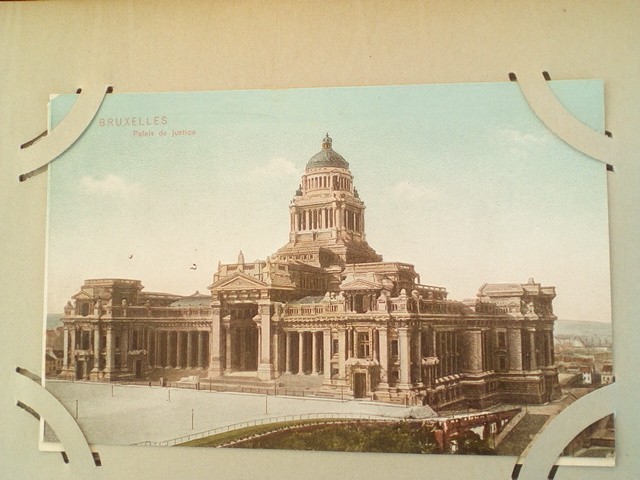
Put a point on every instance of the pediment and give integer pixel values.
(82, 295)
(238, 281)
(360, 284)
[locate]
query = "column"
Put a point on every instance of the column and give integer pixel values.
(149, 338)
(124, 348)
(167, 361)
(200, 352)
(515, 349)
(404, 357)
(110, 351)
(352, 336)
(342, 345)
(314, 353)
(326, 355)
(417, 358)
(472, 346)
(72, 359)
(431, 346)
(549, 345)
(242, 347)
(205, 353)
(276, 346)
(96, 349)
(532, 350)
(156, 349)
(228, 350)
(189, 362)
(374, 344)
(347, 338)
(300, 353)
(265, 365)
(65, 346)
(215, 365)
(259, 335)
(179, 349)
(383, 350)
(288, 338)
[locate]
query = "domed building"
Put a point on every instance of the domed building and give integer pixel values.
(325, 311)
(327, 217)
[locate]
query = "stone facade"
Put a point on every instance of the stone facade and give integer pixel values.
(114, 331)
(325, 307)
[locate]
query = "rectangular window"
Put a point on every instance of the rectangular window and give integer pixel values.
(394, 348)
(502, 363)
(364, 347)
(502, 340)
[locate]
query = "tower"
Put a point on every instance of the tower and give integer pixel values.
(327, 221)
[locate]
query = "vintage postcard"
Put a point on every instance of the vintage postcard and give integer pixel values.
(419, 269)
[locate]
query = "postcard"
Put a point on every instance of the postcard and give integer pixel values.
(416, 269)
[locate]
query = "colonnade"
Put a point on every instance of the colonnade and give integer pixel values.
(327, 181)
(305, 352)
(318, 218)
(242, 347)
(314, 219)
(107, 350)
(529, 349)
(179, 349)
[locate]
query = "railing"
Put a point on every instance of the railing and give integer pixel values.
(267, 421)
(488, 308)
(430, 288)
(138, 311)
(235, 388)
(437, 307)
(395, 304)
(305, 392)
(313, 309)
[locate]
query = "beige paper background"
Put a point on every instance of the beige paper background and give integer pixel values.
(48, 47)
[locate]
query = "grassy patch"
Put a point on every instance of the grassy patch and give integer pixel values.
(343, 436)
(358, 436)
(233, 435)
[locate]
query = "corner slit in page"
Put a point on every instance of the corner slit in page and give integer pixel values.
(40, 403)
(558, 120)
(37, 153)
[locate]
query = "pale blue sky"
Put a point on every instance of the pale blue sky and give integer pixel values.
(463, 181)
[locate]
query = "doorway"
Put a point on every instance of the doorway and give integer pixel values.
(80, 370)
(359, 385)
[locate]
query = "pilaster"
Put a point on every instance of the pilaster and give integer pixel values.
(215, 364)
(265, 365)
(404, 357)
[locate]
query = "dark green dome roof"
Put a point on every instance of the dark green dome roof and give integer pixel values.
(327, 157)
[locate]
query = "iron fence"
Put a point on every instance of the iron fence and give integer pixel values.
(267, 421)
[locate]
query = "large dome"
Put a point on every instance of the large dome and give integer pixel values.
(327, 157)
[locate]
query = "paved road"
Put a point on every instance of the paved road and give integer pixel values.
(141, 413)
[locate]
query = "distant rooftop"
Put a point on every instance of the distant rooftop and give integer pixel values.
(307, 300)
(196, 300)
